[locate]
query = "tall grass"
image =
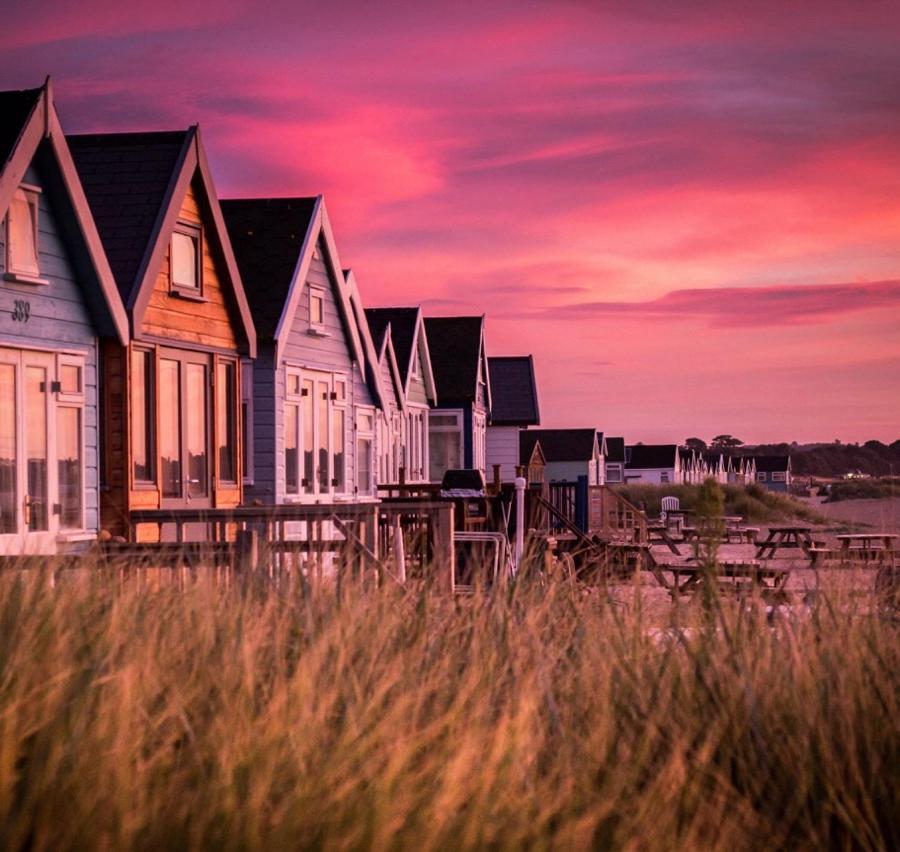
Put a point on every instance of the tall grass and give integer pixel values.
(753, 502)
(134, 716)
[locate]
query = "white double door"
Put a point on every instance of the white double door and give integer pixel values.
(36, 473)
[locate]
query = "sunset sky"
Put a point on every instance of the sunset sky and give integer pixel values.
(692, 220)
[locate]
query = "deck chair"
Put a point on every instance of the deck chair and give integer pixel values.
(669, 504)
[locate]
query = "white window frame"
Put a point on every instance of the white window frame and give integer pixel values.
(479, 441)
(361, 433)
(32, 195)
(760, 476)
(779, 476)
(193, 231)
(315, 292)
(247, 430)
(334, 403)
(73, 400)
(458, 427)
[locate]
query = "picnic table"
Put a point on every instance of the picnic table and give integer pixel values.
(660, 533)
(738, 575)
(871, 546)
(791, 535)
(727, 525)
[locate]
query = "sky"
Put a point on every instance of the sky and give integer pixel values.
(689, 213)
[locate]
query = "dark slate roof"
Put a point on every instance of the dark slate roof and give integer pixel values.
(649, 456)
(615, 449)
(560, 445)
(266, 236)
(770, 463)
(454, 345)
(15, 109)
(514, 399)
(378, 326)
(125, 178)
(403, 332)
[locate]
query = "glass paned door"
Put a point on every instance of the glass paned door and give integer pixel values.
(41, 451)
(185, 428)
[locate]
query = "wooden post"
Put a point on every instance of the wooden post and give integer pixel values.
(443, 549)
(521, 470)
(246, 550)
(402, 476)
(498, 478)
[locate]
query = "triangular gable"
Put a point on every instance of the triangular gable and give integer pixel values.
(387, 352)
(421, 345)
(537, 455)
(319, 228)
(484, 369)
(42, 124)
(192, 162)
(371, 370)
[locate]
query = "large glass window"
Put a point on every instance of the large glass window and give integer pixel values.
(69, 456)
(226, 400)
(8, 467)
(365, 445)
(445, 446)
(323, 391)
(308, 453)
(291, 447)
(339, 479)
(197, 435)
(22, 233)
(142, 431)
(37, 516)
(170, 426)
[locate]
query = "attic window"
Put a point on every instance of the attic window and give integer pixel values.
(185, 255)
(316, 310)
(22, 235)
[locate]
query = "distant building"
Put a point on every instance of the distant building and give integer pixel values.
(773, 472)
(569, 453)
(514, 407)
(656, 464)
(614, 460)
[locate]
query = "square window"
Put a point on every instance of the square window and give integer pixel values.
(340, 389)
(22, 233)
(185, 259)
(293, 384)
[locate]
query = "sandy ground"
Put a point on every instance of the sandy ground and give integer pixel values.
(804, 584)
(877, 514)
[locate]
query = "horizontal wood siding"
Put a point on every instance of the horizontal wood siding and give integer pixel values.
(502, 447)
(418, 395)
(58, 320)
(207, 323)
(264, 406)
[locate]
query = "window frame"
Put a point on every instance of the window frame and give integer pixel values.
(152, 483)
(236, 412)
(73, 400)
(779, 476)
(365, 434)
(761, 476)
(314, 291)
(11, 273)
(193, 230)
(247, 430)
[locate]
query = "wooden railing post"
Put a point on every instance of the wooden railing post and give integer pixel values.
(246, 551)
(443, 549)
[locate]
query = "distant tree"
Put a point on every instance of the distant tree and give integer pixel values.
(725, 442)
(697, 444)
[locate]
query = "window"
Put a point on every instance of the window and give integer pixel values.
(761, 476)
(186, 260)
(664, 477)
(316, 309)
(779, 476)
(444, 443)
(316, 460)
(613, 474)
(365, 445)
(226, 439)
(70, 441)
(142, 431)
(8, 451)
(170, 426)
(22, 233)
(247, 421)
(479, 429)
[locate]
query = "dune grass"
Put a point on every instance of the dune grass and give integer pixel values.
(753, 502)
(152, 717)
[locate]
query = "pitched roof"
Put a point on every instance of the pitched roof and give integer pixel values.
(615, 449)
(455, 347)
(560, 445)
(378, 326)
(15, 109)
(372, 370)
(403, 331)
(770, 463)
(267, 235)
(126, 178)
(514, 400)
(650, 456)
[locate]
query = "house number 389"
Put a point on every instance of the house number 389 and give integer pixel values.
(21, 310)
